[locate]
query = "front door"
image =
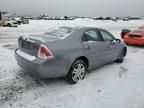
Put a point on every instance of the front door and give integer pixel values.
(94, 48)
(112, 48)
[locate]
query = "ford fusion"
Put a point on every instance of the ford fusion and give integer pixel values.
(68, 52)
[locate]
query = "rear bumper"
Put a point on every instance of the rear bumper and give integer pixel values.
(44, 69)
(134, 41)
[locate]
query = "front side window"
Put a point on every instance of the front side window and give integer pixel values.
(91, 35)
(106, 36)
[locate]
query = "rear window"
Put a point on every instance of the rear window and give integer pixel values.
(59, 32)
(138, 31)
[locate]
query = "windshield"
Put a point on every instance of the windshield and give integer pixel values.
(138, 31)
(59, 32)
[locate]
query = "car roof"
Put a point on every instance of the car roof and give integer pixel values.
(84, 27)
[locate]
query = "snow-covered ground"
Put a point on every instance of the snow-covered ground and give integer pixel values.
(111, 86)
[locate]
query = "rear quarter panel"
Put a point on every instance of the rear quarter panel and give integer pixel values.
(65, 52)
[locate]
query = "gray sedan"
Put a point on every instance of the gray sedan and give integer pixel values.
(68, 52)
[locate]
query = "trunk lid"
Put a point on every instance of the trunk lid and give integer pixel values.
(135, 36)
(32, 43)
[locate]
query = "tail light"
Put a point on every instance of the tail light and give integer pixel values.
(44, 52)
(126, 36)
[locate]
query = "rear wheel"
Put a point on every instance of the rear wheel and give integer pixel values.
(77, 72)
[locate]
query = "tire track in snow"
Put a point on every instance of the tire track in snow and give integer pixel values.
(123, 70)
(23, 82)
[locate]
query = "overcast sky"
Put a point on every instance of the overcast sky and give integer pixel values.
(75, 7)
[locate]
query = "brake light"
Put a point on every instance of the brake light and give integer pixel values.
(44, 52)
(126, 36)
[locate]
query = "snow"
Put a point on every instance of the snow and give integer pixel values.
(111, 86)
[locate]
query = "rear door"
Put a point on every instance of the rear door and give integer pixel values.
(94, 47)
(112, 48)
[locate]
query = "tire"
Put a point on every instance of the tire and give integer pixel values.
(9, 25)
(19, 22)
(121, 57)
(73, 76)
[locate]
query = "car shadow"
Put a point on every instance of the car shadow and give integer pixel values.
(101, 67)
(24, 82)
(10, 46)
(37, 80)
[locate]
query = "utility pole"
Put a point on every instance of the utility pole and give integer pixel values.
(0, 16)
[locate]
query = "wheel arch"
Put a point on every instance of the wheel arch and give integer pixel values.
(69, 74)
(8, 24)
(85, 59)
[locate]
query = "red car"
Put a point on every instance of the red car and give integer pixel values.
(135, 37)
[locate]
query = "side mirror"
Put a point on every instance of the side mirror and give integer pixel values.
(116, 41)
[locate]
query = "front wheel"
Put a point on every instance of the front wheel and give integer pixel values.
(77, 72)
(9, 25)
(121, 57)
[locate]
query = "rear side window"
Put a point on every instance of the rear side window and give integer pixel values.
(91, 35)
(59, 32)
(138, 31)
(106, 36)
